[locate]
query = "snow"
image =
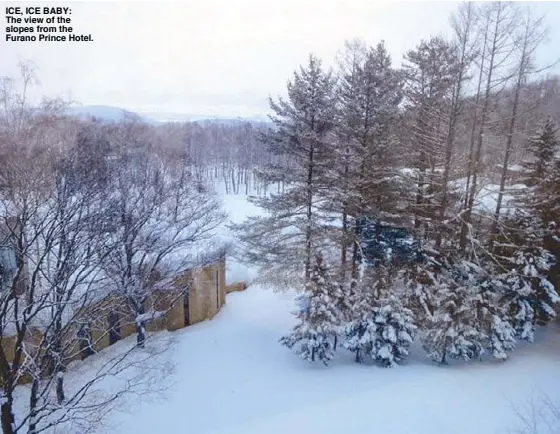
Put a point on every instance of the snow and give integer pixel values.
(238, 208)
(232, 376)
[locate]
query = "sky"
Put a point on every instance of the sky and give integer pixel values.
(218, 57)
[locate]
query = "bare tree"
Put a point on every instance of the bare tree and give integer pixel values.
(499, 23)
(531, 37)
(53, 238)
(160, 219)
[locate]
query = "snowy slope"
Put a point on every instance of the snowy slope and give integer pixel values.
(233, 377)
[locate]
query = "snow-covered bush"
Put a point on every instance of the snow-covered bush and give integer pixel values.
(318, 311)
(456, 328)
(384, 334)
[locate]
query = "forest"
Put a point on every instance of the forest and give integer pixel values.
(458, 152)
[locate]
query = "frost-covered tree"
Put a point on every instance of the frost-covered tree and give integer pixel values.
(369, 94)
(529, 295)
(541, 147)
(383, 333)
(283, 240)
(430, 75)
(527, 247)
(319, 315)
(381, 327)
(493, 314)
(160, 220)
(455, 329)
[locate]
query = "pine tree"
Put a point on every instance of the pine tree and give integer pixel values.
(529, 236)
(369, 95)
(454, 329)
(383, 328)
(542, 198)
(542, 147)
(356, 331)
(283, 240)
(420, 278)
(501, 336)
(530, 297)
(319, 316)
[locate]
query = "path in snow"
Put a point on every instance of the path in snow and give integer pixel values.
(233, 377)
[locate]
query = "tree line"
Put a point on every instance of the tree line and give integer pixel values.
(458, 150)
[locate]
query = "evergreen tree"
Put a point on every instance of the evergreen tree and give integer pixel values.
(542, 148)
(542, 198)
(283, 240)
(530, 297)
(359, 330)
(420, 278)
(383, 328)
(369, 94)
(455, 329)
(319, 316)
(501, 336)
(529, 236)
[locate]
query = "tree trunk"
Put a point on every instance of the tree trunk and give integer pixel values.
(478, 153)
(33, 399)
(60, 387)
(308, 230)
(343, 245)
(511, 130)
(7, 417)
(140, 334)
(355, 249)
(451, 138)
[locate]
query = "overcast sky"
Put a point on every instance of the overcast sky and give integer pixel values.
(219, 57)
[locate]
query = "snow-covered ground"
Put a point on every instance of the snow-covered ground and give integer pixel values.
(232, 376)
(238, 208)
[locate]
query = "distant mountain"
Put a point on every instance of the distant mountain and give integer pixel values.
(190, 117)
(103, 112)
(116, 114)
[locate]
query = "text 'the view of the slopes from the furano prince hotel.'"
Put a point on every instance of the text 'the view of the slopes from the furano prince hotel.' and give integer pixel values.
(41, 24)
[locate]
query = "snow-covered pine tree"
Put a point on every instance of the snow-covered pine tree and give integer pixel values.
(395, 331)
(357, 331)
(320, 318)
(527, 238)
(552, 239)
(455, 330)
(383, 328)
(542, 147)
(542, 198)
(283, 239)
(529, 296)
(420, 278)
(369, 94)
(501, 336)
